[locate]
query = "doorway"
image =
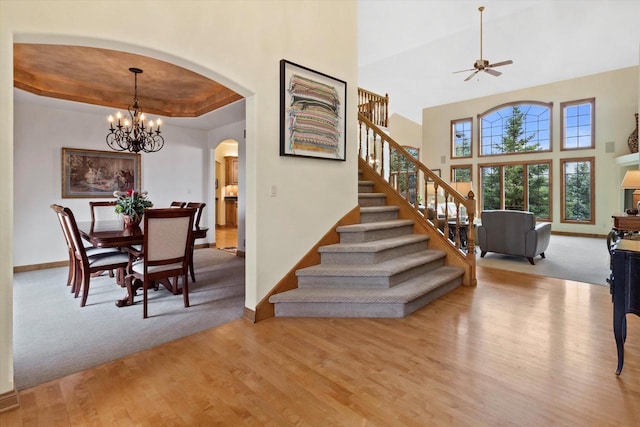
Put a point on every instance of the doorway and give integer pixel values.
(226, 158)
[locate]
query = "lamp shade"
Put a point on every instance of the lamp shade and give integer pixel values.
(463, 187)
(631, 179)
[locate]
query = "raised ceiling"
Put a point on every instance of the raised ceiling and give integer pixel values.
(102, 77)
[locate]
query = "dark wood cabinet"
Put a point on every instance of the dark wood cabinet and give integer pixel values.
(231, 213)
(625, 290)
(231, 170)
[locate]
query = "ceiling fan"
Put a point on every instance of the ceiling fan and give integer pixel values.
(482, 64)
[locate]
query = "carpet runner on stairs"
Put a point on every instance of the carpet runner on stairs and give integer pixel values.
(380, 268)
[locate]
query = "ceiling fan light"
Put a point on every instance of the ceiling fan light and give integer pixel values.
(483, 64)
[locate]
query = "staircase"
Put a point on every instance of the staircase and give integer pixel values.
(380, 268)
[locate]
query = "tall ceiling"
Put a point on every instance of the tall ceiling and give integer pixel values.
(410, 48)
(406, 48)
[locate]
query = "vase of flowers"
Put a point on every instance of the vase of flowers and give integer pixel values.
(131, 204)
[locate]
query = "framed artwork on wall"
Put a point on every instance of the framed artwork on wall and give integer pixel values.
(312, 113)
(96, 174)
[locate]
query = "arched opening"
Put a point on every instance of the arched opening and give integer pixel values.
(196, 142)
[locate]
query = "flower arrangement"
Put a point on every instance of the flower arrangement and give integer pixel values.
(131, 202)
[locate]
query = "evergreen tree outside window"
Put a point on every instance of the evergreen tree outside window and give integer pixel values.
(404, 174)
(577, 124)
(515, 128)
(539, 190)
(461, 138)
(578, 177)
(490, 187)
(461, 173)
(514, 187)
(517, 186)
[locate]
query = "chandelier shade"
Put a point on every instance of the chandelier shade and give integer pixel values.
(133, 133)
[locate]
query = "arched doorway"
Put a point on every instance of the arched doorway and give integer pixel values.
(55, 194)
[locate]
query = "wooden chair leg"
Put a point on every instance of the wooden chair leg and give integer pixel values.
(185, 290)
(71, 267)
(145, 286)
(75, 282)
(193, 274)
(86, 280)
(77, 286)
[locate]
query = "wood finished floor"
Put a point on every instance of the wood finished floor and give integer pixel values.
(514, 351)
(226, 237)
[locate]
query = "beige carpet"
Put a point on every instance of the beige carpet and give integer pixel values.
(581, 259)
(54, 336)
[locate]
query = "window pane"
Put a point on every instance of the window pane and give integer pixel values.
(538, 183)
(514, 187)
(490, 187)
(577, 191)
(461, 135)
(461, 174)
(577, 120)
(516, 128)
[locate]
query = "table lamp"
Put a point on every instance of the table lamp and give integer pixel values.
(631, 181)
(463, 187)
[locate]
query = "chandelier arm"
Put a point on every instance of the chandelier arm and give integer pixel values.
(134, 136)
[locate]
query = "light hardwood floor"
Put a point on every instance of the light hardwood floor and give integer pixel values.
(226, 237)
(516, 350)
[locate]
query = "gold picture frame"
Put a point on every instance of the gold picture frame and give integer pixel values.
(97, 174)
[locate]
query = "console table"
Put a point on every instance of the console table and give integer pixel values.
(626, 223)
(624, 285)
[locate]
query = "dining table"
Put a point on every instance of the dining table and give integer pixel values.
(114, 234)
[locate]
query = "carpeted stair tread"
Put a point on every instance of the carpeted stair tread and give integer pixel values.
(385, 268)
(375, 246)
(401, 293)
(371, 195)
(371, 209)
(380, 225)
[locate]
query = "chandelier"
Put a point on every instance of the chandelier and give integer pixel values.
(131, 134)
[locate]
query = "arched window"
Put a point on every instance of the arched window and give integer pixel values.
(515, 128)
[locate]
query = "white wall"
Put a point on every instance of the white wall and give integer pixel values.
(616, 95)
(241, 50)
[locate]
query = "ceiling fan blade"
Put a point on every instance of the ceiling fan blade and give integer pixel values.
(463, 71)
(471, 76)
(492, 72)
(499, 64)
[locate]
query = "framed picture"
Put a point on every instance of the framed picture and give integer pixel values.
(312, 113)
(93, 173)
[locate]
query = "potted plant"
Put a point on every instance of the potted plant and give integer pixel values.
(131, 204)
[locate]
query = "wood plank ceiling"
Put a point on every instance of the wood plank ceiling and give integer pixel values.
(102, 77)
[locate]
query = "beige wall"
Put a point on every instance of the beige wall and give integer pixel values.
(616, 95)
(238, 44)
(405, 131)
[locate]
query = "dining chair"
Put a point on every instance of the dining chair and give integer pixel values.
(104, 211)
(198, 233)
(167, 241)
(178, 204)
(91, 250)
(85, 265)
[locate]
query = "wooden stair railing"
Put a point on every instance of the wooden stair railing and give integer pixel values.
(415, 183)
(374, 107)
